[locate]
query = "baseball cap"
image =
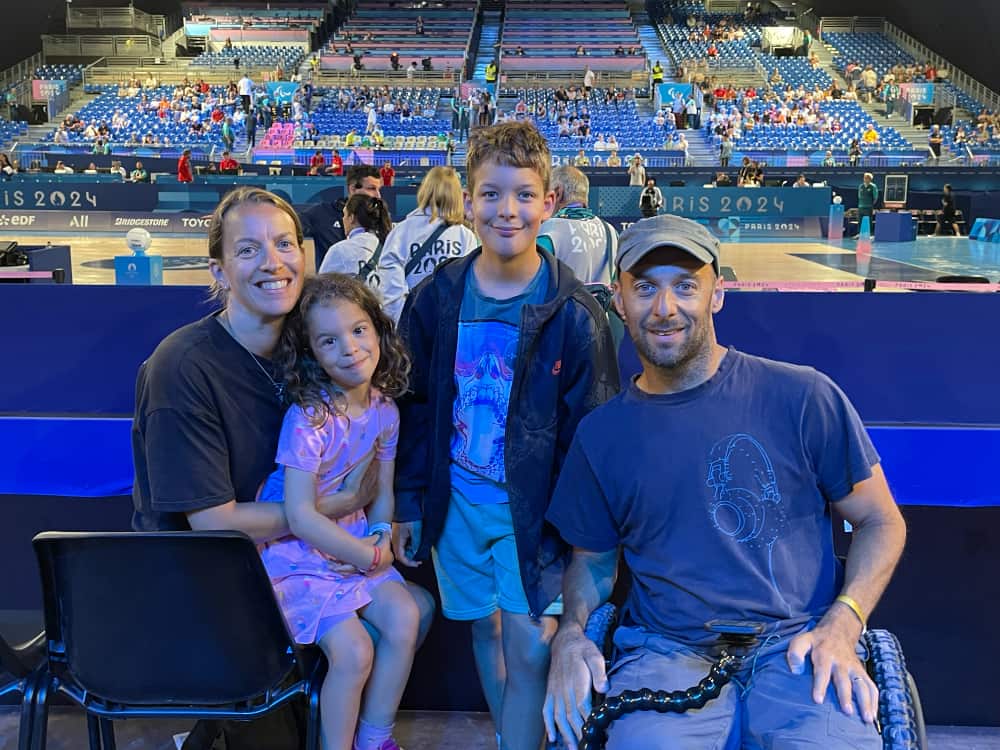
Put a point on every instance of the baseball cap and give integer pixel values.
(666, 230)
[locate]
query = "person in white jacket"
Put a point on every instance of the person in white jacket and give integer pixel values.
(429, 234)
(367, 224)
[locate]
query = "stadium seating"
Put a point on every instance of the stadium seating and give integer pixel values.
(254, 55)
(71, 73)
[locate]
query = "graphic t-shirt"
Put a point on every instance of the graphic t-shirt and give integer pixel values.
(485, 360)
(719, 496)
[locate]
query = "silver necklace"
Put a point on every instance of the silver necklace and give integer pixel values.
(279, 388)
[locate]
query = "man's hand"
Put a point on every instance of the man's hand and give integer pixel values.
(405, 541)
(830, 647)
(577, 666)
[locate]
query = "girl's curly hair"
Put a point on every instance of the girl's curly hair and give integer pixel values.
(306, 382)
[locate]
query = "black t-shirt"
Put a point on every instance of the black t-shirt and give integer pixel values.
(324, 222)
(206, 426)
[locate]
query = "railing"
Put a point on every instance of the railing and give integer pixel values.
(22, 71)
(575, 77)
(96, 46)
(114, 18)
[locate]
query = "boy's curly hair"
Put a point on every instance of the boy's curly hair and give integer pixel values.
(306, 382)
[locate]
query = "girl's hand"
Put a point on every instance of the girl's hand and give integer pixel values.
(384, 544)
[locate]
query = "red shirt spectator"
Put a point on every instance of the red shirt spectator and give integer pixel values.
(218, 115)
(750, 93)
(184, 167)
(388, 173)
(228, 163)
(316, 163)
(931, 73)
(713, 51)
(336, 165)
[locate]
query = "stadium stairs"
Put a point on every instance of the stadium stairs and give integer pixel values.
(489, 37)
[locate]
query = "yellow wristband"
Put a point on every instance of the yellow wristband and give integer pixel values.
(855, 608)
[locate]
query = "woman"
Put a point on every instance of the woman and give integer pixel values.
(366, 224)
(946, 217)
(429, 234)
(636, 172)
(7, 170)
(208, 401)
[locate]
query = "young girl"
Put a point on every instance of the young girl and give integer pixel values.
(342, 363)
(366, 223)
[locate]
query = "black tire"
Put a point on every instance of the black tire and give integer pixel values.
(899, 713)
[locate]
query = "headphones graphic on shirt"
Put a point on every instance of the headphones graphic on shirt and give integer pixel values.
(747, 503)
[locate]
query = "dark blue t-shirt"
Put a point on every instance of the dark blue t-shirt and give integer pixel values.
(719, 495)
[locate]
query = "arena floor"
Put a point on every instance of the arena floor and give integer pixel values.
(416, 730)
(185, 260)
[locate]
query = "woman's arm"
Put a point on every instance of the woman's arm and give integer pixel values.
(312, 527)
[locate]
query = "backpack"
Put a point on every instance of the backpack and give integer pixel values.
(647, 199)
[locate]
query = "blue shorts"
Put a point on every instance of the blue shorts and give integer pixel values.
(773, 709)
(476, 563)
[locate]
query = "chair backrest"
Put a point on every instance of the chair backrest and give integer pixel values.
(165, 618)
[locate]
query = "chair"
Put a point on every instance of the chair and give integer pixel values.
(21, 664)
(169, 624)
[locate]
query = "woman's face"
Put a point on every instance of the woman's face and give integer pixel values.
(262, 264)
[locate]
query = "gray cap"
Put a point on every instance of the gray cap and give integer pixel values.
(666, 230)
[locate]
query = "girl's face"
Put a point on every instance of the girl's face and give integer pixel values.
(345, 343)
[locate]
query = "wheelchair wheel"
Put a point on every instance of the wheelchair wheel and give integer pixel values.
(899, 712)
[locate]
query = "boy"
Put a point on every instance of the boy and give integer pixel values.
(509, 352)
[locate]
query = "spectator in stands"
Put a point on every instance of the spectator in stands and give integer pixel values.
(614, 160)
(580, 51)
(577, 237)
(118, 169)
(228, 44)
(650, 199)
(366, 224)
(394, 60)
(854, 153)
(228, 164)
(947, 216)
(184, 172)
(420, 25)
(934, 142)
(357, 66)
(636, 172)
(828, 160)
(867, 197)
(868, 83)
(619, 51)
(890, 93)
(411, 71)
(870, 136)
(324, 221)
(427, 63)
(519, 51)
(725, 150)
(588, 80)
(600, 144)
(91, 169)
(678, 107)
(712, 51)
(61, 168)
(245, 88)
(139, 174)
(439, 207)
(801, 182)
(581, 159)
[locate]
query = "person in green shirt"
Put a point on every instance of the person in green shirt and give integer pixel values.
(867, 197)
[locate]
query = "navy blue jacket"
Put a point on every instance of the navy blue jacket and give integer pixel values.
(565, 368)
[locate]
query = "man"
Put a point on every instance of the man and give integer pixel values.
(716, 472)
(394, 60)
(574, 234)
(324, 222)
(657, 73)
(228, 163)
(244, 87)
(388, 174)
(867, 198)
(588, 80)
(650, 199)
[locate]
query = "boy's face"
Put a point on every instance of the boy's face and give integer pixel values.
(508, 205)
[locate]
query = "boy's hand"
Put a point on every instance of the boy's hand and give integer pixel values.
(406, 541)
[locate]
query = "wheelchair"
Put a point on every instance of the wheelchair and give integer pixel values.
(900, 717)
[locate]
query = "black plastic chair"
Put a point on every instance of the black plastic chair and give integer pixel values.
(166, 625)
(19, 674)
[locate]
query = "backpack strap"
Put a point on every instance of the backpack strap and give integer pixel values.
(369, 266)
(608, 253)
(425, 248)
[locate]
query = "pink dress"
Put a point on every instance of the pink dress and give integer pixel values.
(311, 594)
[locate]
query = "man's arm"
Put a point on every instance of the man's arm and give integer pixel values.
(876, 546)
(577, 663)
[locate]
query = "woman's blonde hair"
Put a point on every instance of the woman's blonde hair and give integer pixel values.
(441, 191)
